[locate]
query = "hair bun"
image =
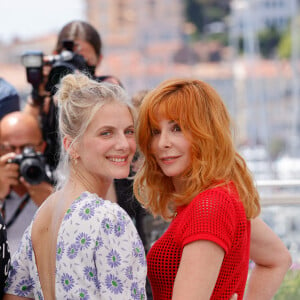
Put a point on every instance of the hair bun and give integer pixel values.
(69, 84)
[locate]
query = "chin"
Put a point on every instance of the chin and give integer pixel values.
(121, 175)
(172, 173)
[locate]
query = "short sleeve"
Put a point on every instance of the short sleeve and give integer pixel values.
(120, 257)
(19, 281)
(211, 216)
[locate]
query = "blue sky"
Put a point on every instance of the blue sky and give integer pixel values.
(29, 18)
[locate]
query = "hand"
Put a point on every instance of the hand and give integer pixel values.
(38, 192)
(234, 297)
(9, 174)
(42, 86)
(39, 98)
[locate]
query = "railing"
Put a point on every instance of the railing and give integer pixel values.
(279, 192)
(286, 194)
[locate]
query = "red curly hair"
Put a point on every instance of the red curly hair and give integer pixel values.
(203, 118)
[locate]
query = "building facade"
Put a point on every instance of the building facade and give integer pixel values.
(261, 14)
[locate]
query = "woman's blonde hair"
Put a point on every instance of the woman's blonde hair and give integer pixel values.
(204, 120)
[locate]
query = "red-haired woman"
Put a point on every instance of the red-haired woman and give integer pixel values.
(193, 175)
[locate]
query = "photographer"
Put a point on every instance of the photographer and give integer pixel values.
(9, 98)
(84, 42)
(20, 198)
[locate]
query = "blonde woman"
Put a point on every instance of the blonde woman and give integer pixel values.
(80, 246)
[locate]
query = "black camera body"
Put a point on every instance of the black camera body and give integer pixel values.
(32, 166)
(66, 62)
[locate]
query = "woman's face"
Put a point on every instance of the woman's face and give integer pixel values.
(108, 145)
(87, 51)
(172, 150)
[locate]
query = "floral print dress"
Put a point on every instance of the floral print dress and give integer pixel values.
(99, 256)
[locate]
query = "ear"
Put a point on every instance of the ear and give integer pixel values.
(69, 147)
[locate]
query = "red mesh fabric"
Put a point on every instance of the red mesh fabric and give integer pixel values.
(216, 215)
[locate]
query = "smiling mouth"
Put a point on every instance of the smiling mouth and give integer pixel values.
(117, 159)
(169, 158)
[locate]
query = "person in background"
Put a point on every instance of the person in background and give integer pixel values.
(193, 176)
(137, 100)
(9, 98)
(19, 198)
(138, 97)
(84, 247)
(4, 256)
(87, 43)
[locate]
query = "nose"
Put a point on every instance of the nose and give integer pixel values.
(122, 142)
(164, 140)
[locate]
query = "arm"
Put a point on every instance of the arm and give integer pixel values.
(198, 270)
(39, 192)
(272, 261)
(35, 108)
(31, 109)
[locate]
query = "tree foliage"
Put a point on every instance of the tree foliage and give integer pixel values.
(204, 12)
(290, 288)
(269, 39)
(285, 46)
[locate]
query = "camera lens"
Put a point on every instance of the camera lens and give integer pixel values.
(32, 171)
(58, 71)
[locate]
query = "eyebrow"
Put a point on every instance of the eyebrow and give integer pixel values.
(113, 127)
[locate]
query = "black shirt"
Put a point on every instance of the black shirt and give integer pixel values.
(4, 256)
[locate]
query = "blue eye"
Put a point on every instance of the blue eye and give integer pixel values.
(105, 133)
(129, 131)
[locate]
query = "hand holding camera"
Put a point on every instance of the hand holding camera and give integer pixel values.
(27, 168)
(44, 72)
(9, 174)
(32, 166)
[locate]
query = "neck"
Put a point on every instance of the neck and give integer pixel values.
(20, 190)
(179, 185)
(78, 184)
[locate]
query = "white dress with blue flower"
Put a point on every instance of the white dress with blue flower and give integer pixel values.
(99, 256)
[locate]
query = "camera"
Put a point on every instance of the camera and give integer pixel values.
(61, 64)
(31, 166)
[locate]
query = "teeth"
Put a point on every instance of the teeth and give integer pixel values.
(117, 159)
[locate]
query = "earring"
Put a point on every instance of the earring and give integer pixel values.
(74, 160)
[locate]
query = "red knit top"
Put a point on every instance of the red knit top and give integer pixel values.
(216, 215)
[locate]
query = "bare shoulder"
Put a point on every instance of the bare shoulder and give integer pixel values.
(47, 206)
(44, 217)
